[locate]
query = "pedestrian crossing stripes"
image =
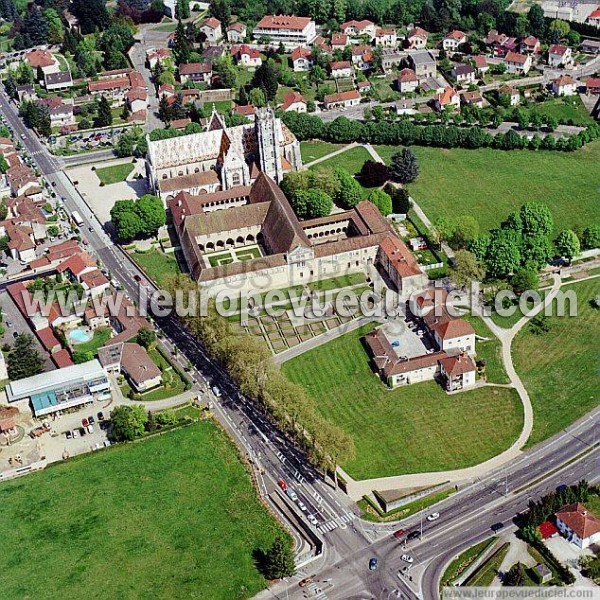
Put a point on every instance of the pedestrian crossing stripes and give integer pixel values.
(313, 588)
(337, 522)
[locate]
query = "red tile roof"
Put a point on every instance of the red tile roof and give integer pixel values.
(62, 358)
(458, 365)
(400, 257)
(579, 520)
(342, 97)
(211, 22)
(557, 49)
(47, 338)
(455, 35)
(407, 75)
(40, 58)
(291, 98)
(454, 329)
(547, 530)
(515, 57)
(283, 22)
(300, 52)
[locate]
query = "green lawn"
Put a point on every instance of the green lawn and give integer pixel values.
(352, 160)
(490, 350)
(101, 336)
(114, 174)
(410, 429)
(171, 517)
(173, 384)
(489, 184)
(564, 109)
(157, 265)
(485, 575)
(508, 321)
(560, 368)
(464, 560)
(313, 150)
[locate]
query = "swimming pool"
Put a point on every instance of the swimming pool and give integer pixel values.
(79, 336)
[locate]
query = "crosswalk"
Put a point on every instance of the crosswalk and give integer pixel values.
(315, 590)
(337, 522)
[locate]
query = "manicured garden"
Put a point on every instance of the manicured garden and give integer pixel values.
(410, 429)
(114, 174)
(488, 184)
(139, 520)
(157, 265)
(101, 336)
(560, 368)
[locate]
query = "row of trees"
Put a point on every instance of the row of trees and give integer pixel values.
(406, 133)
(131, 422)
(138, 218)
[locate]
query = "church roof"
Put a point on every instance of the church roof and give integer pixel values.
(188, 181)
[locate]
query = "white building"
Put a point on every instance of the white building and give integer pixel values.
(564, 85)
(560, 56)
(516, 63)
(578, 525)
(236, 33)
(211, 28)
(290, 31)
(61, 389)
(453, 40)
(301, 59)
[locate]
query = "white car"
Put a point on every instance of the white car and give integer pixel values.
(313, 520)
(90, 428)
(433, 516)
(292, 494)
(407, 558)
(75, 433)
(302, 506)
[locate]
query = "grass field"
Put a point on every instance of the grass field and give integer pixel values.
(146, 520)
(313, 150)
(490, 350)
(489, 184)
(484, 576)
(464, 560)
(564, 109)
(114, 174)
(101, 336)
(408, 430)
(560, 368)
(352, 160)
(157, 265)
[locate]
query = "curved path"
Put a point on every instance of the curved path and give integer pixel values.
(357, 489)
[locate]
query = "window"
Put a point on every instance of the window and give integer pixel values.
(235, 180)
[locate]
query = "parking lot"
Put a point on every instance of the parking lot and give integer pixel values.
(408, 338)
(89, 140)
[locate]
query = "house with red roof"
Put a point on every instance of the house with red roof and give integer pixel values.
(580, 526)
(451, 334)
(593, 18)
(530, 45)
(157, 55)
(246, 56)
(200, 72)
(386, 37)
(516, 63)
(343, 99)
(236, 33)
(339, 40)
(453, 40)
(417, 38)
(248, 111)
(560, 55)
(212, 29)
(547, 530)
(43, 59)
(301, 59)
(77, 265)
(400, 265)
(341, 68)
(564, 85)
(481, 64)
(592, 85)
(356, 29)
(294, 101)
(289, 30)
(447, 100)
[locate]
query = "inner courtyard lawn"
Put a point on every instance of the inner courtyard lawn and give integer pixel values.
(171, 517)
(488, 184)
(114, 174)
(157, 265)
(412, 429)
(560, 368)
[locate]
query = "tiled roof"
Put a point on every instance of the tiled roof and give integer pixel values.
(579, 520)
(283, 22)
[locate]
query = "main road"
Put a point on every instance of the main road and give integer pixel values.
(349, 542)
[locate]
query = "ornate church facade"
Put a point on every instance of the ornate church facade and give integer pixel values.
(220, 157)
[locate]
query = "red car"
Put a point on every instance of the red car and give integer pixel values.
(282, 484)
(85, 422)
(399, 533)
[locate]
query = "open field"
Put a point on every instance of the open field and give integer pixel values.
(490, 350)
(489, 184)
(114, 174)
(157, 265)
(560, 368)
(410, 429)
(137, 521)
(351, 160)
(564, 109)
(312, 150)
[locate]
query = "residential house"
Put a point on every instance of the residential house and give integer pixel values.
(590, 46)
(76, 266)
(481, 64)
(447, 100)
(321, 43)
(342, 99)
(293, 101)
(133, 362)
(593, 18)
(211, 54)
(211, 28)
(362, 57)
(564, 85)
(580, 526)
(400, 265)
(500, 44)
(341, 68)
(453, 41)
(301, 59)
(464, 74)
(166, 89)
(26, 92)
(195, 72)
(339, 41)
(407, 81)
(417, 38)
(386, 37)
(291, 31)
(180, 124)
(157, 55)
(392, 57)
(56, 82)
(530, 45)
(23, 182)
(61, 114)
(137, 99)
(95, 319)
(592, 85)
(21, 244)
(94, 283)
(423, 64)
(449, 333)
(560, 56)
(43, 59)
(246, 56)
(511, 92)
(471, 99)
(113, 85)
(236, 33)
(457, 371)
(248, 111)
(364, 86)
(357, 29)
(519, 64)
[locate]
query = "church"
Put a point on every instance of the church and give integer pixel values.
(220, 157)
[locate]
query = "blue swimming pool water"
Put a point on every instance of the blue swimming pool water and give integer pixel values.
(79, 336)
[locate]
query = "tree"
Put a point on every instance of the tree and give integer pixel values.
(182, 9)
(350, 192)
(558, 30)
(104, 117)
(52, 231)
(10, 86)
(134, 218)
(257, 97)
(152, 213)
(537, 22)
(309, 204)
(503, 253)
(146, 337)
(126, 112)
(591, 237)
(551, 123)
(92, 14)
(401, 202)
(128, 422)
(524, 279)
(56, 30)
(567, 244)
(466, 229)
(3, 210)
(35, 28)
(515, 577)
(466, 268)
(374, 173)
(23, 359)
(265, 78)
(182, 47)
(403, 166)
(279, 560)
(382, 201)
(226, 72)
(44, 124)
(221, 10)
(164, 109)
(536, 219)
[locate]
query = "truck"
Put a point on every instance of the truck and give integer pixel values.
(77, 218)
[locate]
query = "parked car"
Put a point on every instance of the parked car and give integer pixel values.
(90, 429)
(313, 520)
(91, 420)
(282, 484)
(81, 431)
(292, 494)
(75, 433)
(497, 527)
(69, 434)
(413, 535)
(433, 516)
(372, 564)
(100, 416)
(302, 506)
(305, 582)
(407, 558)
(85, 422)
(400, 533)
